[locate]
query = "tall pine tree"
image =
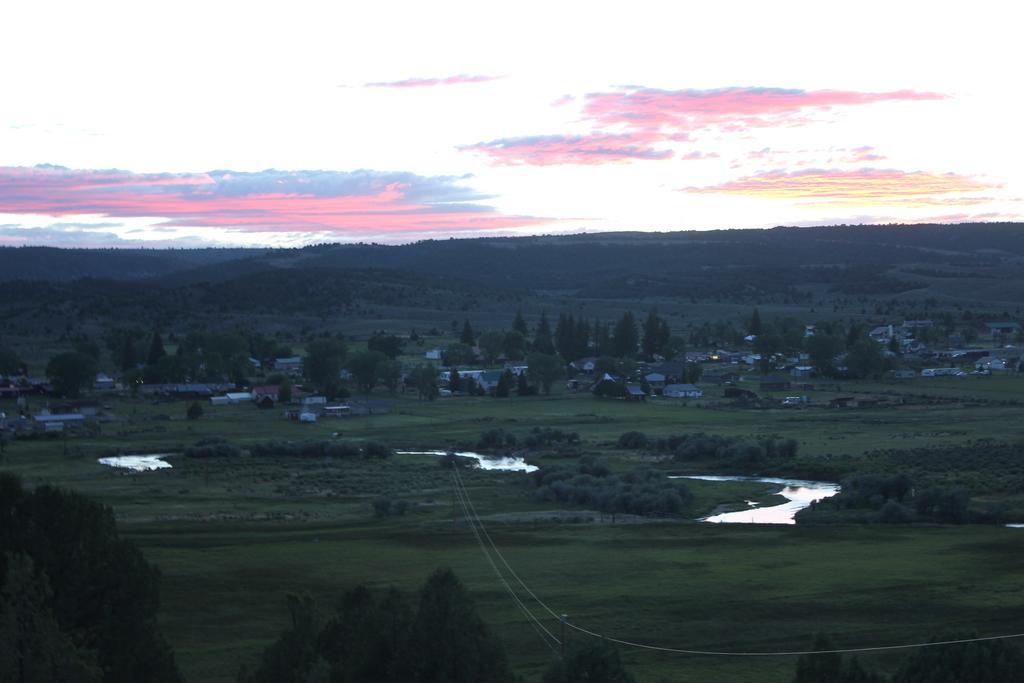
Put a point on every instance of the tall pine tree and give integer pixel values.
(625, 337)
(467, 337)
(542, 342)
(519, 325)
(156, 349)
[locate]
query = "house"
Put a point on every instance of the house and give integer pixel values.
(719, 378)
(802, 371)
(434, 354)
(265, 390)
(585, 364)
(635, 393)
(236, 397)
(291, 365)
(310, 404)
(994, 364)
(103, 382)
(882, 333)
(775, 383)
(342, 410)
(682, 391)
(517, 369)
(56, 422)
(655, 379)
(369, 407)
(265, 401)
(1003, 330)
(671, 370)
(488, 380)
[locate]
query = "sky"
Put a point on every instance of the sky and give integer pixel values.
(283, 124)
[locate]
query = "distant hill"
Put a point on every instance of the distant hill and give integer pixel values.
(553, 261)
(838, 271)
(51, 264)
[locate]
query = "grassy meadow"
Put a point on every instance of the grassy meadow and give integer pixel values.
(234, 536)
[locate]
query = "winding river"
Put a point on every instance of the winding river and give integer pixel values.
(798, 492)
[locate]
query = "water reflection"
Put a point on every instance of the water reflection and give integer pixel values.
(487, 462)
(798, 492)
(138, 463)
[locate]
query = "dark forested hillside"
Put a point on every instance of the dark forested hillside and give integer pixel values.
(847, 270)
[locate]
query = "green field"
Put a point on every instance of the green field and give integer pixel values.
(234, 536)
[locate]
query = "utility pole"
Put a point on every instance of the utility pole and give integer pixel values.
(561, 620)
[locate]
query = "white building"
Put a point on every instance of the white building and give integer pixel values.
(682, 391)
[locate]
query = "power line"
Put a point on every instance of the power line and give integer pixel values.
(464, 493)
(535, 623)
(543, 632)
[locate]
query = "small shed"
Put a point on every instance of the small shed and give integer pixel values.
(635, 393)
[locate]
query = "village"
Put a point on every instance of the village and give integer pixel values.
(281, 388)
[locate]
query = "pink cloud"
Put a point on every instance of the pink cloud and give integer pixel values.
(547, 150)
(859, 155)
(865, 186)
(458, 79)
(730, 109)
(696, 155)
(360, 202)
(627, 124)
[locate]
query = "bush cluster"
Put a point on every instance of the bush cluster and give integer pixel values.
(384, 506)
(220, 448)
(642, 491)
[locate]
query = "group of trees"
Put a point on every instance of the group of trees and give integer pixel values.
(538, 437)
(590, 483)
(894, 498)
(729, 451)
(77, 602)
(374, 638)
(992, 661)
(217, 447)
(390, 636)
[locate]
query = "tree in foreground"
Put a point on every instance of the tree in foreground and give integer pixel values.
(381, 639)
(66, 577)
(993, 661)
(591, 662)
(448, 641)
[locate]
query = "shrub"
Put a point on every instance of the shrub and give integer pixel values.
(375, 449)
(633, 440)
